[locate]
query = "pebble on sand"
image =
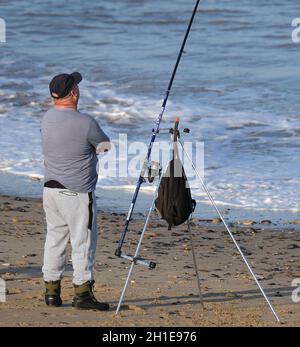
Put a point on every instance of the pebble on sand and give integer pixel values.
(150, 235)
(265, 221)
(135, 308)
(248, 222)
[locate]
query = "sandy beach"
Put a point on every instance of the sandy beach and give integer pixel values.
(92, 95)
(165, 296)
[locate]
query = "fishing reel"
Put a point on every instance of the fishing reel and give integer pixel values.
(154, 170)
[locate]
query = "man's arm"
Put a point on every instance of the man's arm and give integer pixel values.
(97, 138)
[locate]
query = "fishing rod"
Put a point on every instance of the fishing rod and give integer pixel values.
(155, 131)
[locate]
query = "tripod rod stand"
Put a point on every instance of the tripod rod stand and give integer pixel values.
(230, 233)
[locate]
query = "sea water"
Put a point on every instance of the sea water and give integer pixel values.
(237, 88)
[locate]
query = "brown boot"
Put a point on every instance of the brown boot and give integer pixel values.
(52, 293)
(85, 299)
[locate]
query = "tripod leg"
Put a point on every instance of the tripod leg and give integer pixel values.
(231, 235)
(125, 287)
(138, 246)
(195, 265)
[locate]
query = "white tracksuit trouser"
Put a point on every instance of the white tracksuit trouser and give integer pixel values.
(69, 215)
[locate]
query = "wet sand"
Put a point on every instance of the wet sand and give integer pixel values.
(165, 296)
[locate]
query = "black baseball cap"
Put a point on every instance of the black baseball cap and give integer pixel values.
(62, 84)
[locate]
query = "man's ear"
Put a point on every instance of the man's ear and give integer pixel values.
(73, 93)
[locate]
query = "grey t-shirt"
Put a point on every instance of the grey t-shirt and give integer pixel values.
(69, 141)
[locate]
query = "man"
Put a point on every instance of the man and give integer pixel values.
(71, 141)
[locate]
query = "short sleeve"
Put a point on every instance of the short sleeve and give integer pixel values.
(95, 134)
